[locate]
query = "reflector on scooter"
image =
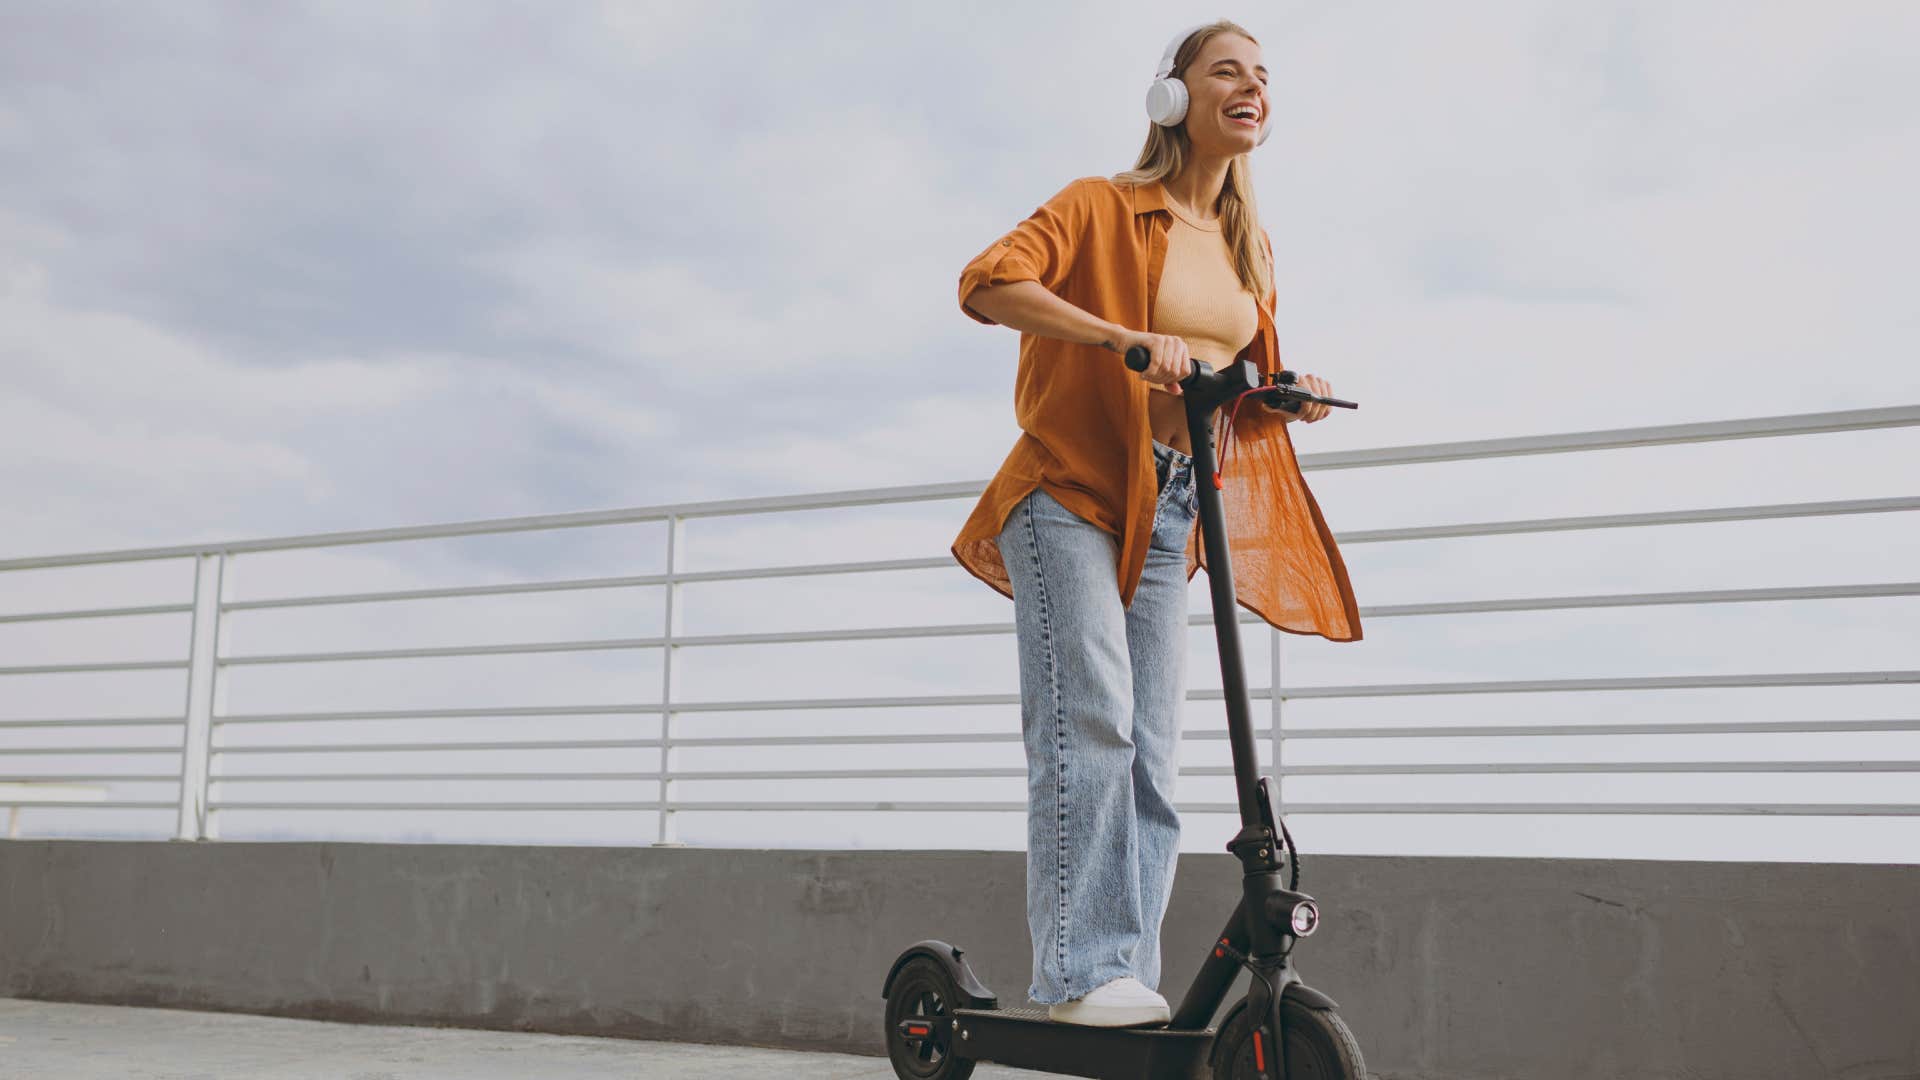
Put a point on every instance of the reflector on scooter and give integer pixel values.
(1306, 918)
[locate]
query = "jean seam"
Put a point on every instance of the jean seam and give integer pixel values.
(1060, 753)
(1190, 503)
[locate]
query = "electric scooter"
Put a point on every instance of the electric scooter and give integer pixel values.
(941, 1020)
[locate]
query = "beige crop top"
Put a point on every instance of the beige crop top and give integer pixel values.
(1201, 298)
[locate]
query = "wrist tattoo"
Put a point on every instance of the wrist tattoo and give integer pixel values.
(1109, 345)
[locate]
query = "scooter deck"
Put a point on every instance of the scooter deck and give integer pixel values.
(1027, 1039)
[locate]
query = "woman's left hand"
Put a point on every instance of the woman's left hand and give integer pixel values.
(1310, 411)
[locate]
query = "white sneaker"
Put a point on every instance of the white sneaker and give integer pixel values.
(1124, 1002)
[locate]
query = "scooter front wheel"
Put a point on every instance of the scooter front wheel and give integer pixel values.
(1319, 1047)
(920, 1023)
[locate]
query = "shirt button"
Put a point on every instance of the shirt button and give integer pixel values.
(1006, 243)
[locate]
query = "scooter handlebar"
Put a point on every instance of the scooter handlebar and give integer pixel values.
(1138, 358)
(1282, 394)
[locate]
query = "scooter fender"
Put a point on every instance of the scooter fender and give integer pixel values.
(1308, 996)
(949, 957)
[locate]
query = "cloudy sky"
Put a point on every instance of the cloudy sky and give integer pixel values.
(277, 268)
(270, 268)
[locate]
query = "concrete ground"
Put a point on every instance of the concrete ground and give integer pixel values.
(42, 1040)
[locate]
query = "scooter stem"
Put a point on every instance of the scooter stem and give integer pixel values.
(1204, 392)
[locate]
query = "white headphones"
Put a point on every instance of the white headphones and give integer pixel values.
(1167, 97)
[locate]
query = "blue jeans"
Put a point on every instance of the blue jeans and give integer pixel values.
(1100, 692)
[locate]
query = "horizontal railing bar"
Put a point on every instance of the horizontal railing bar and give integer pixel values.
(226, 804)
(1742, 809)
(1199, 735)
(1464, 769)
(448, 592)
(1203, 735)
(513, 649)
(361, 748)
(97, 613)
(1605, 600)
(95, 721)
(914, 806)
(1621, 521)
(111, 805)
(1742, 727)
(800, 704)
(734, 740)
(13, 750)
(1521, 767)
(983, 772)
(651, 804)
(294, 778)
(873, 633)
(609, 644)
(1658, 682)
(1292, 808)
(785, 705)
(846, 740)
(1664, 809)
(171, 778)
(790, 705)
(441, 714)
(695, 577)
(71, 669)
(1621, 438)
(536, 523)
(573, 584)
(678, 774)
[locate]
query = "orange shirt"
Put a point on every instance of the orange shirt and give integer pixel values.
(1101, 246)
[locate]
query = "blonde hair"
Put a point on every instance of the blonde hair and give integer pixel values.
(1166, 154)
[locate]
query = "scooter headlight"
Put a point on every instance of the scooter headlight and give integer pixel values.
(1306, 918)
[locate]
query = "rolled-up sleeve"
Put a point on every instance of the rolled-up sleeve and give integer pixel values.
(1038, 249)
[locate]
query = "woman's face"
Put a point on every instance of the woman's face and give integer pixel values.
(1226, 96)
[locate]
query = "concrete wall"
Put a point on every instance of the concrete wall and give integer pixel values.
(1449, 968)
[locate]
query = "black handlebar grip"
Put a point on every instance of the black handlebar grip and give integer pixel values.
(1138, 358)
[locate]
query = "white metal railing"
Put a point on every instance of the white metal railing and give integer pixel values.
(15, 794)
(196, 757)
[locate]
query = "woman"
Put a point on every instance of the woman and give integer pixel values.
(1089, 523)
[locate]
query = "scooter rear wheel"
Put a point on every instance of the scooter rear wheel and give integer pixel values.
(923, 990)
(1319, 1047)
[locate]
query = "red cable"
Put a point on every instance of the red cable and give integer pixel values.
(1226, 437)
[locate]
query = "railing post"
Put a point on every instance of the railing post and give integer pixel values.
(203, 673)
(1277, 702)
(669, 660)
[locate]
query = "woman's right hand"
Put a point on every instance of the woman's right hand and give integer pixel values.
(1170, 361)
